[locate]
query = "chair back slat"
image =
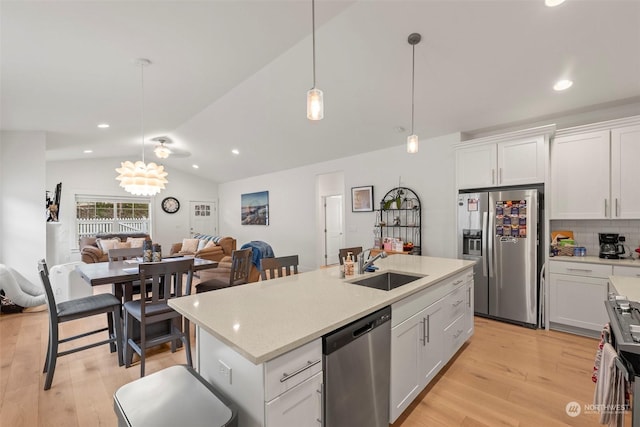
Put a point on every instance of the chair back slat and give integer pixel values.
(165, 280)
(279, 267)
(240, 266)
(51, 300)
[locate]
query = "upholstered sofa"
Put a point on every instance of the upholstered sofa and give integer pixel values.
(213, 248)
(93, 248)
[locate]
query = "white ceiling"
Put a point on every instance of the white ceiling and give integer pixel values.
(234, 74)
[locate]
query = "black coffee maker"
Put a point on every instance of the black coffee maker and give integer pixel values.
(610, 248)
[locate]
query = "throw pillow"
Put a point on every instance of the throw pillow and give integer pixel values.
(189, 245)
(123, 245)
(136, 242)
(210, 245)
(106, 244)
(201, 244)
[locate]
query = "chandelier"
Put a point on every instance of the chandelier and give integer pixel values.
(140, 178)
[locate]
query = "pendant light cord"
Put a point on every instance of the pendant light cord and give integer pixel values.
(413, 78)
(313, 38)
(142, 105)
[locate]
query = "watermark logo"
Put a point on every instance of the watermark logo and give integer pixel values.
(573, 409)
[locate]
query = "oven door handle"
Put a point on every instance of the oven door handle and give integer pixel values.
(622, 365)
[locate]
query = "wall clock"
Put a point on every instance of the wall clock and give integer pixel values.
(170, 205)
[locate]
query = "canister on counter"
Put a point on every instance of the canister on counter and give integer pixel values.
(157, 253)
(146, 251)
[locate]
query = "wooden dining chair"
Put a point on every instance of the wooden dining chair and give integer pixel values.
(124, 254)
(279, 267)
(75, 309)
(342, 254)
(238, 272)
(169, 279)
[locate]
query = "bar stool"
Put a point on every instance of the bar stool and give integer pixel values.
(182, 398)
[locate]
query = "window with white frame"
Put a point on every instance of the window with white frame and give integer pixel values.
(105, 214)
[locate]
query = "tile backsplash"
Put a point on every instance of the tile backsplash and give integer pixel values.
(585, 232)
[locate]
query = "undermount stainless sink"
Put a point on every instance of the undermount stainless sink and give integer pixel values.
(388, 280)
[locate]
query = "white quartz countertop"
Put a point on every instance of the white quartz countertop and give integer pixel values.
(265, 319)
(595, 260)
(628, 286)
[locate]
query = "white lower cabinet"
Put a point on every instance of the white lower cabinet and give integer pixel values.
(285, 391)
(578, 292)
(301, 406)
(622, 270)
(423, 342)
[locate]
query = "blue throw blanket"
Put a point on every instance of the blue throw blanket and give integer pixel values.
(259, 250)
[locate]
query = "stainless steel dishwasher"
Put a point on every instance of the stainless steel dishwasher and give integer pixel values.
(357, 361)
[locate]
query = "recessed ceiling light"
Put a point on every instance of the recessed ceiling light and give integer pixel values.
(553, 3)
(195, 166)
(562, 85)
(235, 151)
(103, 125)
(88, 151)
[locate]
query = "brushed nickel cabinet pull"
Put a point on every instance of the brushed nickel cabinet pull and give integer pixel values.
(309, 364)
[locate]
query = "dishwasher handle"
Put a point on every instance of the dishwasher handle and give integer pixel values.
(363, 330)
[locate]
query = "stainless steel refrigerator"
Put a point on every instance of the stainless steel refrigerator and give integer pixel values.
(500, 229)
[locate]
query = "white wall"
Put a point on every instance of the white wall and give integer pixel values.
(98, 177)
(22, 189)
(294, 200)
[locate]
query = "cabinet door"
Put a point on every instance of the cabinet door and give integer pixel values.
(476, 166)
(625, 157)
(578, 301)
(580, 176)
(301, 406)
(521, 161)
(405, 386)
(469, 310)
(431, 343)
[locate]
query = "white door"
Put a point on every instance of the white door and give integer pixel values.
(203, 218)
(333, 228)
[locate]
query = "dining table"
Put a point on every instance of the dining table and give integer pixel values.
(122, 274)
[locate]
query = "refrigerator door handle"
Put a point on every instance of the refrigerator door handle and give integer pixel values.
(490, 254)
(484, 243)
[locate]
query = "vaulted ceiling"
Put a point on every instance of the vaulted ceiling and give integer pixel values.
(234, 74)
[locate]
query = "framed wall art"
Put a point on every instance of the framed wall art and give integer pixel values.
(362, 199)
(254, 209)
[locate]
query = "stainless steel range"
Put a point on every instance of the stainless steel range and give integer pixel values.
(624, 320)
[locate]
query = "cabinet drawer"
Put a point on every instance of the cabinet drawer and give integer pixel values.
(619, 270)
(285, 372)
(455, 304)
(580, 269)
(405, 308)
(454, 336)
(300, 406)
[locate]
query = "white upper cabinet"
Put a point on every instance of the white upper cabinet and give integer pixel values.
(521, 162)
(476, 166)
(594, 171)
(510, 159)
(580, 176)
(625, 166)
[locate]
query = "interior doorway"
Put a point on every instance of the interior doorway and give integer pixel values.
(333, 228)
(203, 218)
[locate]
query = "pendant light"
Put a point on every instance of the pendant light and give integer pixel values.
(412, 140)
(315, 105)
(139, 178)
(161, 150)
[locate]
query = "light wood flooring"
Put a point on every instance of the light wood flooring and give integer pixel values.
(504, 376)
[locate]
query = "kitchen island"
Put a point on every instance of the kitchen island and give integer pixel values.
(249, 333)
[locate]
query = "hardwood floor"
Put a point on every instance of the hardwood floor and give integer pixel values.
(504, 376)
